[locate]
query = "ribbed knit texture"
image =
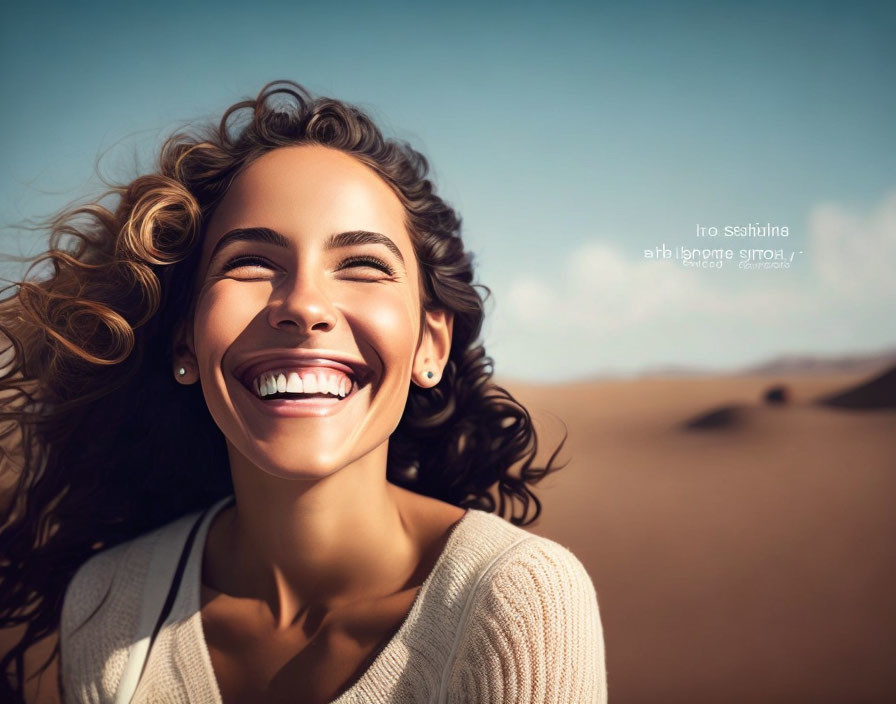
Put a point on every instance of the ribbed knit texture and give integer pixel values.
(505, 617)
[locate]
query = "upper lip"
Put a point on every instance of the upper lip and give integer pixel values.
(249, 369)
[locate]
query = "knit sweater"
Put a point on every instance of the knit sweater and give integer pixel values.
(504, 616)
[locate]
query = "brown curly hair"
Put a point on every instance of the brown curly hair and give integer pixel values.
(93, 468)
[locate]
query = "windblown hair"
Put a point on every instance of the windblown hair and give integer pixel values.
(100, 444)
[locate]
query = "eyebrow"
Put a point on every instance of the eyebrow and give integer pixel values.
(265, 235)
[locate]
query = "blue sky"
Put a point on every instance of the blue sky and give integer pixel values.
(571, 138)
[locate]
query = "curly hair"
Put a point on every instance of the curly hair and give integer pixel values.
(102, 442)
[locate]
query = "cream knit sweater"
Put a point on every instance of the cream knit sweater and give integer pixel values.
(504, 617)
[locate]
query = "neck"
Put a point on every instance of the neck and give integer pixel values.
(297, 543)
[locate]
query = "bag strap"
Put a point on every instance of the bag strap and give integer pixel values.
(163, 571)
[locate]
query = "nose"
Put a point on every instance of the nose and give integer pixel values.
(303, 304)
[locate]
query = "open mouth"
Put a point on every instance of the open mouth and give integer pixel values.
(305, 384)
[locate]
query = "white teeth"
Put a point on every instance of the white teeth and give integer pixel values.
(297, 382)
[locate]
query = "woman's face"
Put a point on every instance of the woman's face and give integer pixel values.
(308, 278)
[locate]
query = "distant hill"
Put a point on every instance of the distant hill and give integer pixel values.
(879, 392)
(859, 363)
(856, 363)
(815, 364)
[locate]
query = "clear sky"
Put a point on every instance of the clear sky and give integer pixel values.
(572, 137)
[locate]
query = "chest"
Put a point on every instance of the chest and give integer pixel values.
(313, 662)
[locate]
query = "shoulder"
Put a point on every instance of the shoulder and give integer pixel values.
(91, 587)
(535, 578)
(520, 559)
(101, 612)
(118, 571)
(533, 632)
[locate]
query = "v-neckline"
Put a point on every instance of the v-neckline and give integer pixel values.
(194, 603)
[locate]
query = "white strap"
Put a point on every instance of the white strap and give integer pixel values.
(161, 570)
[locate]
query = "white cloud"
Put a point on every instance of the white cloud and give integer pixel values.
(855, 253)
(612, 309)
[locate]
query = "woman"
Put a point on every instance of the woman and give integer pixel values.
(279, 327)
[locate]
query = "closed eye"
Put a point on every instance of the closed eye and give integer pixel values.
(239, 262)
(250, 262)
(367, 260)
(351, 262)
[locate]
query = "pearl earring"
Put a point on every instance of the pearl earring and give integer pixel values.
(181, 372)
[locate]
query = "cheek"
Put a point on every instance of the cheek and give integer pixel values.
(387, 321)
(222, 313)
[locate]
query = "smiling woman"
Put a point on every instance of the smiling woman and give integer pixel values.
(260, 455)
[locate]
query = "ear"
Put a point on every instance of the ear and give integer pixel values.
(184, 353)
(434, 348)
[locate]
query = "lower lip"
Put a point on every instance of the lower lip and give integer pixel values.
(302, 408)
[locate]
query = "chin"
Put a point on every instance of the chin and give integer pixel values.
(302, 466)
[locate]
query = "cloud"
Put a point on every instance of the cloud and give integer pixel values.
(603, 289)
(614, 309)
(852, 253)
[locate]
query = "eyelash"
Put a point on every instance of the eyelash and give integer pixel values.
(375, 262)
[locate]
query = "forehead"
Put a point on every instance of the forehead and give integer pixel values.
(310, 192)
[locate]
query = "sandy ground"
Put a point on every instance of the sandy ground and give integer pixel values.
(752, 563)
(749, 563)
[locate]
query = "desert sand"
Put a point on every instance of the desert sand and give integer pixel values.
(753, 560)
